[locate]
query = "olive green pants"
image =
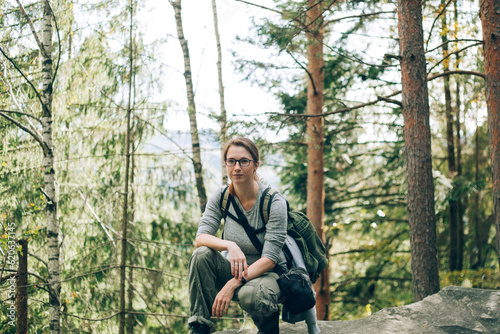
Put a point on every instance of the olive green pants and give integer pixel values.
(208, 273)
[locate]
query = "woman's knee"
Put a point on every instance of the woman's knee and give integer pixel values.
(201, 256)
(258, 299)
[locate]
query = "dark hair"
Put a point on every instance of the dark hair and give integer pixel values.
(243, 142)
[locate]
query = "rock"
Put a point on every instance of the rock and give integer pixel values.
(454, 310)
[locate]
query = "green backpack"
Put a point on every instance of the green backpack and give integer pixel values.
(299, 228)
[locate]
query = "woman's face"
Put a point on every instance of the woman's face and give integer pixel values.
(237, 173)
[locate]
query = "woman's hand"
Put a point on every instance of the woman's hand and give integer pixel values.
(239, 267)
(224, 297)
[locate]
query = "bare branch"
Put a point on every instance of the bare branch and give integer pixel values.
(59, 42)
(435, 76)
(305, 69)
(385, 99)
(452, 53)
(359, 16)
(454, 41)
(434, 23)
(92, 319)
(21, 113)
(25, 77)
(105, 227)
(338, 111)
(33, 31)
(35, 135)
(38, 258)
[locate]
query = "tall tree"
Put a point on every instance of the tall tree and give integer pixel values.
(315, 142)
(222, 117)
(195, 140)
(53, 228)
(125, 214)
(45, 139)
(450, 143)
(415, 106)
(490, 19)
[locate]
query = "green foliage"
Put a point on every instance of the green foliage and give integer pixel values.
(483, 278)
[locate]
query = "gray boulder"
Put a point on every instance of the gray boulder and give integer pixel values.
(454, 310)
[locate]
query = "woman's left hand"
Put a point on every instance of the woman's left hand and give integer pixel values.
(223, 298)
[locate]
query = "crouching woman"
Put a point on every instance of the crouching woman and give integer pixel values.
(232, 267)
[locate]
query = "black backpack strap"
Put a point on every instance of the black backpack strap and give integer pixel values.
(242, 220)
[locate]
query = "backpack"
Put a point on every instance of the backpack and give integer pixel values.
(299, 227)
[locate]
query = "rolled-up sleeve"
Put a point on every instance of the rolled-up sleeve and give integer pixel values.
(276, 228)
(211, 218)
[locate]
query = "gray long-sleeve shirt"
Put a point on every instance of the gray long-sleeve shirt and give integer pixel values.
(273, 238)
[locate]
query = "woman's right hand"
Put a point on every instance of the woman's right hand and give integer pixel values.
(239, 267)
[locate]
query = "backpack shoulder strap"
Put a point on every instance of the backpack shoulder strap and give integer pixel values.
(265, 204)
(224, 201)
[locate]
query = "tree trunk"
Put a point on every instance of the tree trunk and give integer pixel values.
(198, 167)
(490, 19)
(130, 296)
(49, 175)
(125, 214)
(315, 158)
(22, 289)
(458, 103)
(450, 143)
(415, 105)
(223, 116)
(477, 225)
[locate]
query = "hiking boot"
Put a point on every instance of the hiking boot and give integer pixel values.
(270, 325)
(197, 328)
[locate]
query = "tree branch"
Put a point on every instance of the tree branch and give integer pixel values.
(21, 113)
(25, 77)
(28, 130)
(435, 76)
(358, 16)
(452, 53)
(434, 23)
(59, 42)
(33, 31)
(454, 41)
(339, 111)
(305, 69)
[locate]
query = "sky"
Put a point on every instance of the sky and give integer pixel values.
(241, 97)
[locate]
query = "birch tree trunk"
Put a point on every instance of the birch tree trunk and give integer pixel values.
(125, 216)
(223, 116)
(315, 157)
(50, 175)
(490, 19)
(415, 104)
(195, 141)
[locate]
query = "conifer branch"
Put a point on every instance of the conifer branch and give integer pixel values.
(359, 16)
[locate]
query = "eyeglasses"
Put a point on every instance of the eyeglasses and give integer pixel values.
(243, 162)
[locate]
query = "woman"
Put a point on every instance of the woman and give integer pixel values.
(240, 272)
